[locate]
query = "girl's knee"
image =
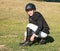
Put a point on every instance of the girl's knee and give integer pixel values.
(43, 35)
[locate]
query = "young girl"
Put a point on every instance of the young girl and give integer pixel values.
(37, 26)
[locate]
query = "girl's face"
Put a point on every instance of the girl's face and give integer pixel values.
(30, 12)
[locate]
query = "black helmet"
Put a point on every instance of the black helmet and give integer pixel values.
(30, 6)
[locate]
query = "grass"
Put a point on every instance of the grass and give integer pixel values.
(13, 21)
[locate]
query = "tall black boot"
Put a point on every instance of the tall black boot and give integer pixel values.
(27, 42)
(42, 41)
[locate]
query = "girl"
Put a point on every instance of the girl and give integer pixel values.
(37, 26)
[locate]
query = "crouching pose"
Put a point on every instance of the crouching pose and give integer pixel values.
(37, 26)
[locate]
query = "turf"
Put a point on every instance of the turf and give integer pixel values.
(13, 21)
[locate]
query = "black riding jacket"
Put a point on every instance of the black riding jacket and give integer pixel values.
(38, 20)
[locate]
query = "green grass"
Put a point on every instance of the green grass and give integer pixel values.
(13, 21)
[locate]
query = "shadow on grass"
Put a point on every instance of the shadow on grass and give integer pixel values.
(49, 39)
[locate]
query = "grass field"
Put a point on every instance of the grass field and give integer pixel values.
(13, 21)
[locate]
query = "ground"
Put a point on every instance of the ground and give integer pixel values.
(13, 21)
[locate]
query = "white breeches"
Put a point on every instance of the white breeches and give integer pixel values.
(32, 26)
(41, 34)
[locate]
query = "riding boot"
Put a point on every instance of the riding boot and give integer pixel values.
(42, 41)
(27, 42)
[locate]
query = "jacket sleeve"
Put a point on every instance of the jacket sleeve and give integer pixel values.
(46, 27)
(39, 23)
(42, 25)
